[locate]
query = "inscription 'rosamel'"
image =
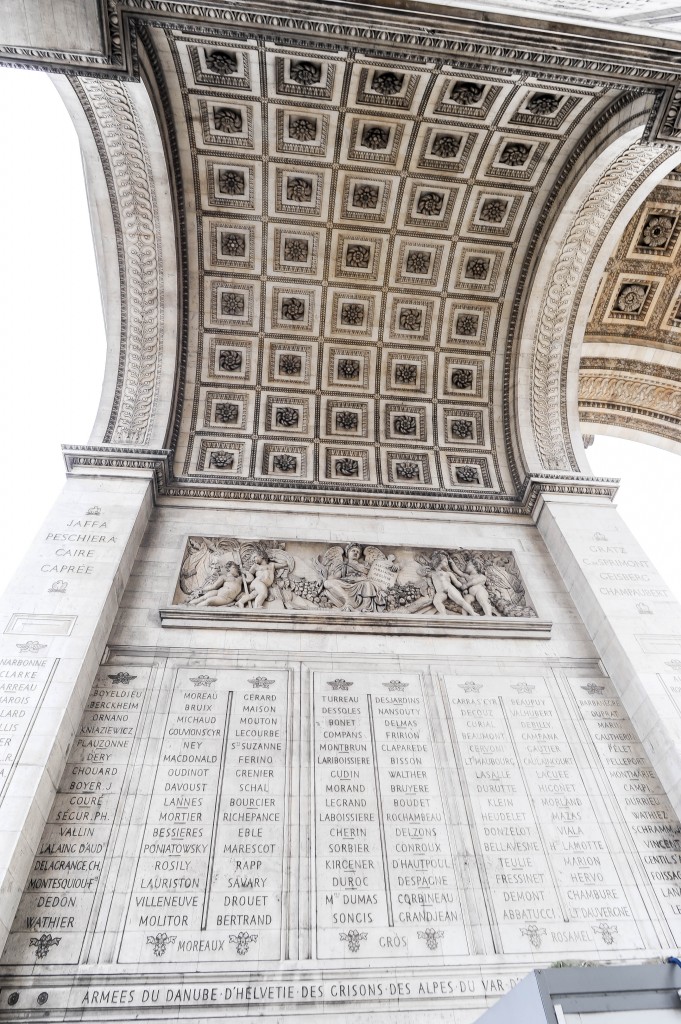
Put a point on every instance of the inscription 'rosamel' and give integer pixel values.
(244, 576)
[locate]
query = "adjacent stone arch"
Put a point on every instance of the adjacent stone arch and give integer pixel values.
(560, 295)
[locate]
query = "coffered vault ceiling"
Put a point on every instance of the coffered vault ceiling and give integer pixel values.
(630, 373)
(356, 231)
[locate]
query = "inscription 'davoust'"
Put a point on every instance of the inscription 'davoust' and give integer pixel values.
(246, 575)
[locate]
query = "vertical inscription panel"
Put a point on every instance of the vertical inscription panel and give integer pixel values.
(645, 812)
(59, 901)
(554, 874)
(385, 873)
(209, 880)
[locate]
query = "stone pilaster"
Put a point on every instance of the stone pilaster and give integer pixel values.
(55, 619)
(631, 615)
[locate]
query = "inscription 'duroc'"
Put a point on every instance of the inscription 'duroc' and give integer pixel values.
(250, 575)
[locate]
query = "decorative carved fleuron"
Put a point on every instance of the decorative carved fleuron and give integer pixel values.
(493, 211)
(593, 689)
(230, 359)
(287, 416)
(657, 232)
(43, 944)
(160, 942)
(354, 939)
(228, 119)
(430, 203)
(290, 364)
(285, 463)
(243, 941)
(227, 412)
(461, 428)
(534, 933)
(466, 94)
(242, 575)
(293, 308)
(418, 261)
(305, 72)
(514, 154)
(375, 137)
(296, 250)
(232, 304)
(405, 425)
(407, 470)
(631, 298)
(348, 369)
(467, 324)
(122, 678)
(233, 245)
(299, 190)
(606, 931)
(222, 460)
(261, 682)
(203, 680)
(446, 146)
(387, 83)
(462, 378)
(303, 129)
(467, 475)
(477, 268)
(411, 319)
(431, 937)
(58, 587)
(346, 419)
(31, 646)
(222, 62)
(543, 104)
(352, 314)
(347, 467)
(357, 256)
(231, 182)
(365, 196)
(406, 373)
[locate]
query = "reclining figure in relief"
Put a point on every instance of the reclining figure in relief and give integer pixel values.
(245, 575)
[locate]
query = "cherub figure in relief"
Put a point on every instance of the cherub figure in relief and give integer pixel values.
(260, 579)
(446, 584)
(224, 590)
(474, 582)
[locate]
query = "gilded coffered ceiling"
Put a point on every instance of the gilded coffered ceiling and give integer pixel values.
(630, 371)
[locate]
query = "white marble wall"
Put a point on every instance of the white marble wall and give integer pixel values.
(632, 617)
(55, 619)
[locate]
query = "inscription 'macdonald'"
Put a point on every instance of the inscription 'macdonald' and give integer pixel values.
(246, 576)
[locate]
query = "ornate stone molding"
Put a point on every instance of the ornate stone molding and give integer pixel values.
(562, 295)
(127, 167)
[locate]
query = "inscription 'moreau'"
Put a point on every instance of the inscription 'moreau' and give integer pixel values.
(243, 576)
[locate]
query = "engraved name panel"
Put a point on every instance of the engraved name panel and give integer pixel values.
(386, 880)
(551, 878)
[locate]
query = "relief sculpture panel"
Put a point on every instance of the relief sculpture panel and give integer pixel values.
(225, 577)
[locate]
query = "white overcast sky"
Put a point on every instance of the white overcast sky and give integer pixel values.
(52, 338)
